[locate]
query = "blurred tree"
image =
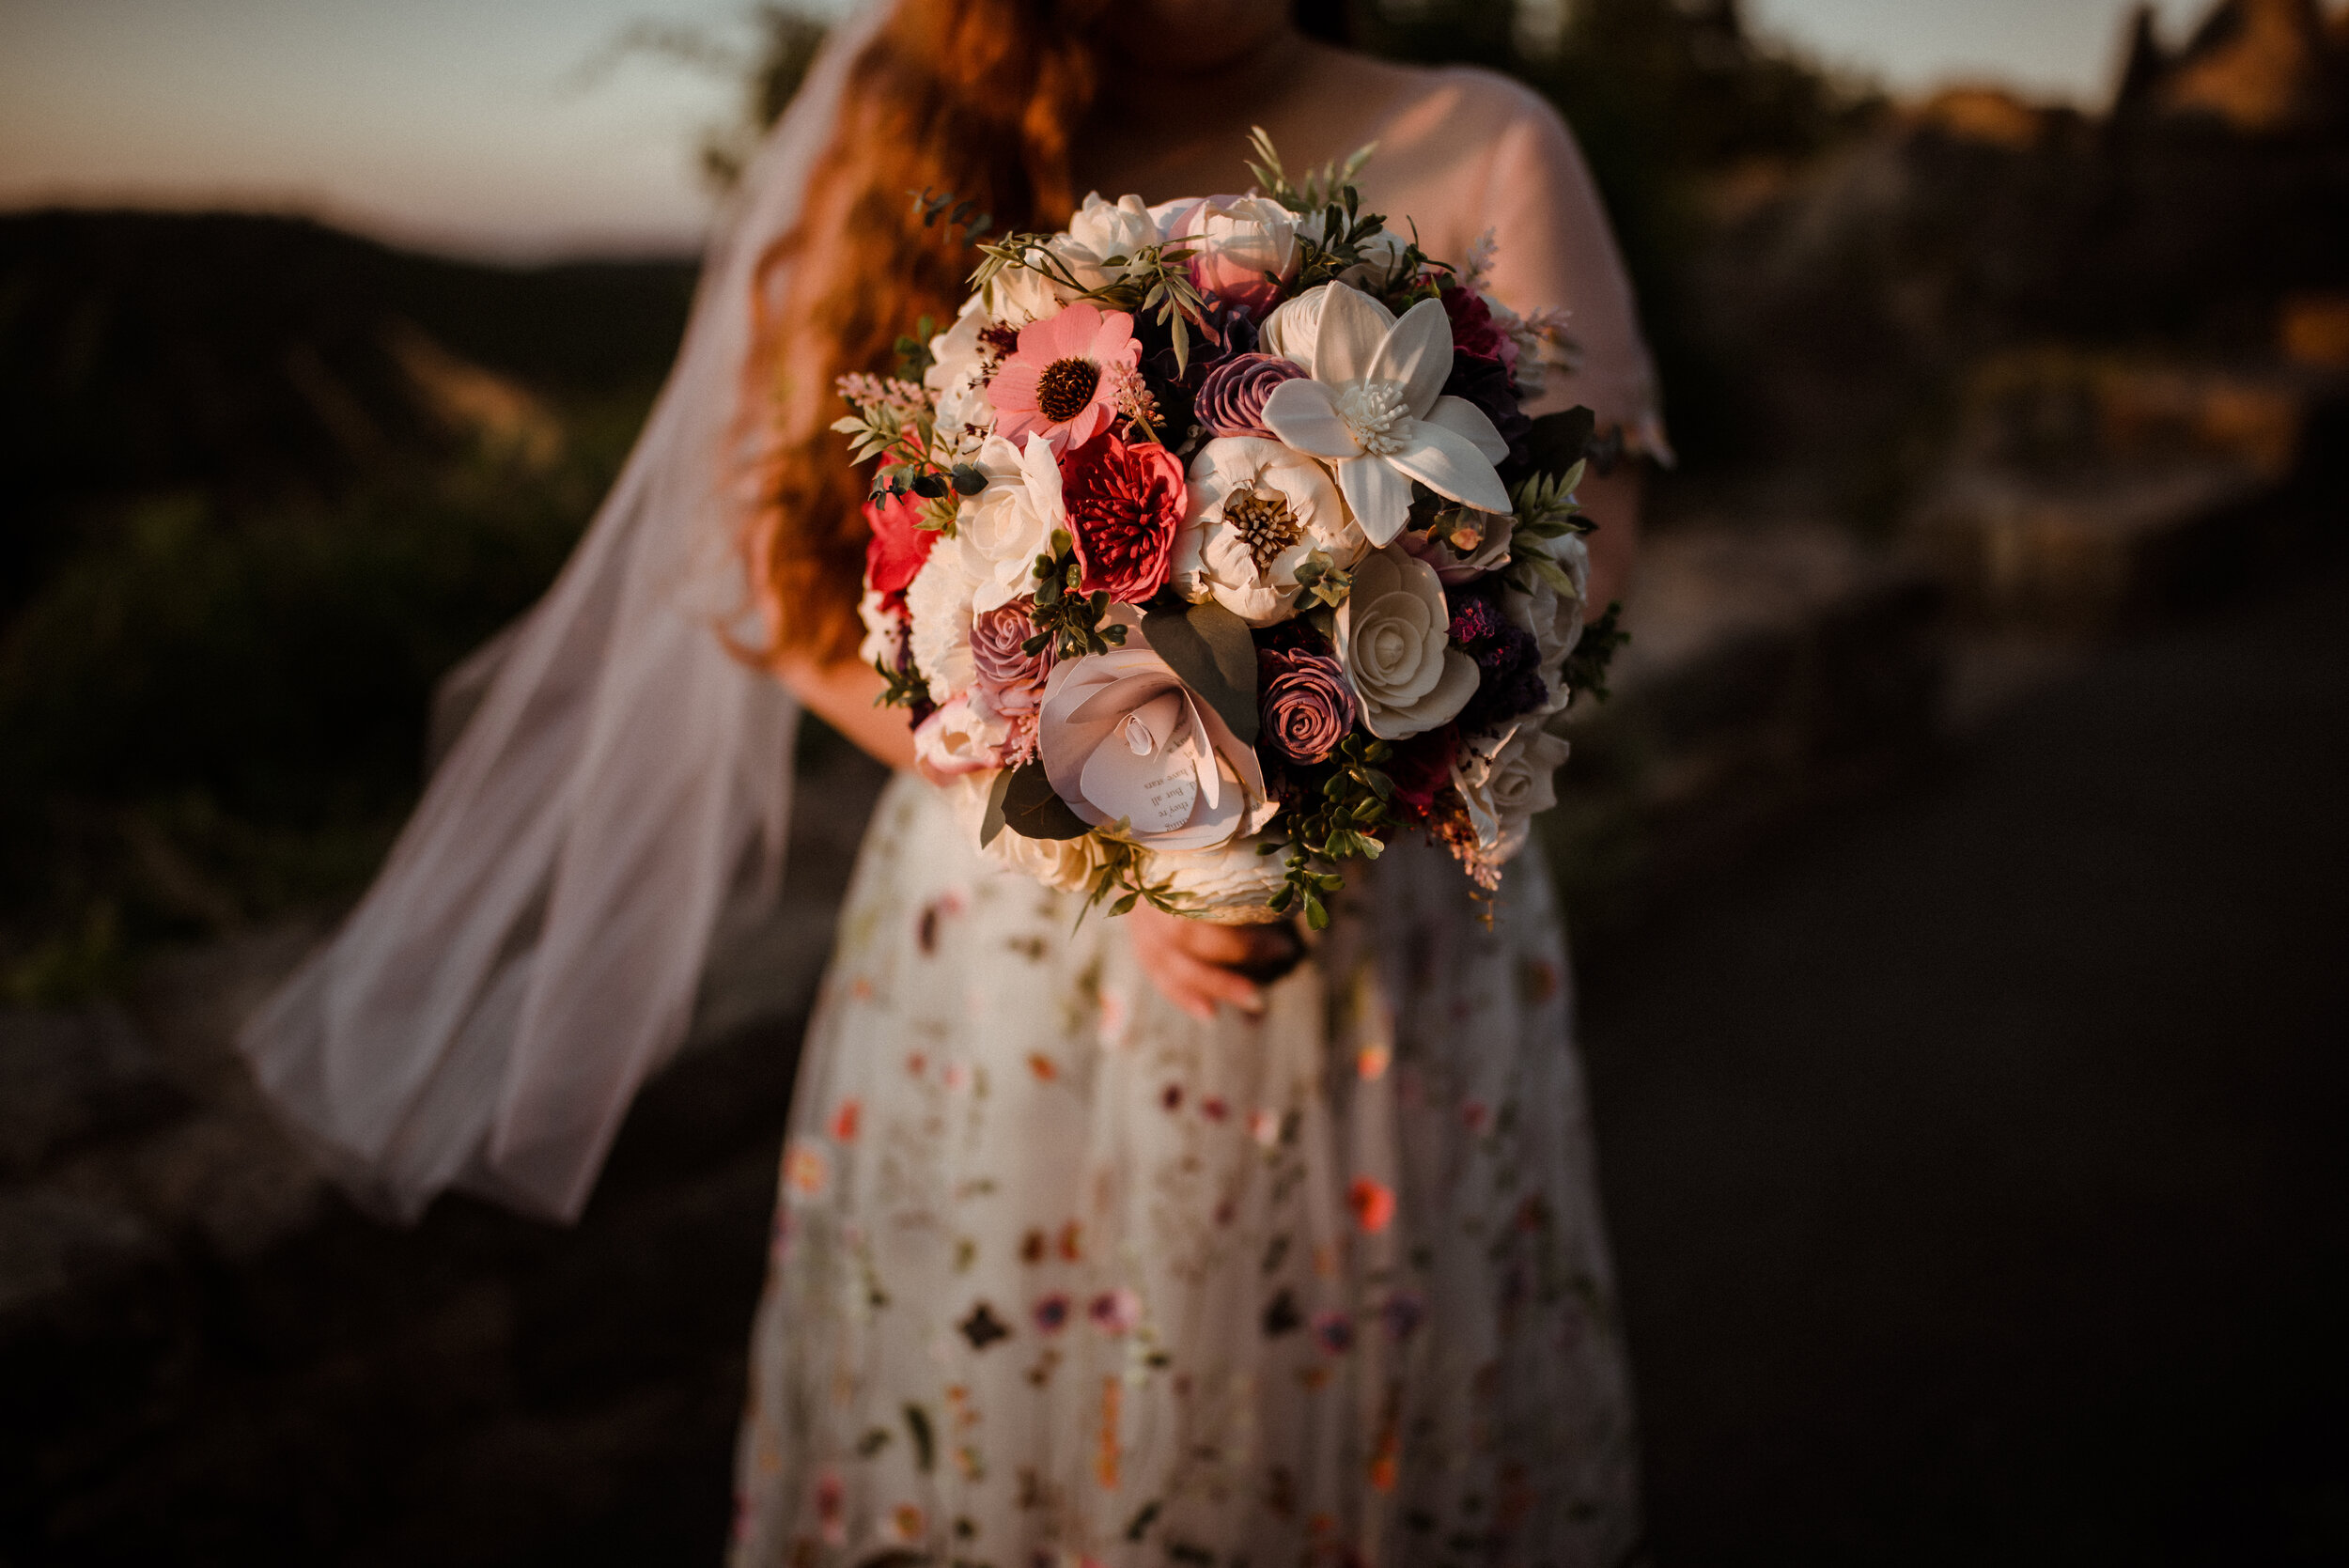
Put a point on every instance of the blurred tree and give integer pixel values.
(769, 69)
(1667, 98)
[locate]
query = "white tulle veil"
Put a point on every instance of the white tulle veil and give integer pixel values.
(530, 951)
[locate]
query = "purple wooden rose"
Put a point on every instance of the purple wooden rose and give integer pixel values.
(1231, 399)
(1306, 707)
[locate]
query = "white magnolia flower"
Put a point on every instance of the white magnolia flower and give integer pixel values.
(1374, 409)
(1257, 511)
(1393, 638)
(1555, 619)
(957, 358)
(938, 602)
(1227, 886)
(1505, 779)
(1009, 524)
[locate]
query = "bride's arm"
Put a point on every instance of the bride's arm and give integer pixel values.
(844, 697)
(1556, 248)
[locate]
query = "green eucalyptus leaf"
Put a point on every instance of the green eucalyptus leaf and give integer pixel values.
(1032, 810)
(1208, 648)
(991, 822)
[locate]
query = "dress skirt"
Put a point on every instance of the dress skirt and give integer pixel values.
(1063, 1276)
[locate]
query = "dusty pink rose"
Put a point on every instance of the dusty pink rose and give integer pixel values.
(1235, 241)
(1231, 399)
(1010, 679)
(1306, 707)
(1124, 503)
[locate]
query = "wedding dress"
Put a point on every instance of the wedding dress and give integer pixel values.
(1061, 1275)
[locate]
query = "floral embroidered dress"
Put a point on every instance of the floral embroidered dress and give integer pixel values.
(1061, 1275)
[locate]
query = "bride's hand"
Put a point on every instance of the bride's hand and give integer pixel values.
(1195, 965)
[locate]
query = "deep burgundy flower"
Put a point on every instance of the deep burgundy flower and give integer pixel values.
(1305, 705)
(1421, 766)
(899, 547)
(1473, 328)
(1124, 503)
(1231, 399)
(1507, 657)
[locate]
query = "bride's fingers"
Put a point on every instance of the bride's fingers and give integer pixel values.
(1196, 986)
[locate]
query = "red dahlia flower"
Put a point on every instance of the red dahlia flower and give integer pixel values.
(1124, 503)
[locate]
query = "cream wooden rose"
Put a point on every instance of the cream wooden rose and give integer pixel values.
(1393, 639)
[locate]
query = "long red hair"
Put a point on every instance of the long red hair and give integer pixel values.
(977, 97)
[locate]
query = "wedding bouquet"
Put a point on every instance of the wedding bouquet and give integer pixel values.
(1211, 549)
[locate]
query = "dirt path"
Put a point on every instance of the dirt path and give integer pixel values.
(1977, 1161)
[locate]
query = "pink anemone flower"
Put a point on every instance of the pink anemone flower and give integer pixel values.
(1063, 379)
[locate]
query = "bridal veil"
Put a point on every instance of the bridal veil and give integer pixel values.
(531, 949)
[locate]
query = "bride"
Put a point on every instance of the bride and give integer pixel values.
(1122, 1241)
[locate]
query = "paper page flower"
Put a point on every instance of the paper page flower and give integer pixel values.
(1123, 739)
(1063, 379)
(1393, 639)
(1375, 410)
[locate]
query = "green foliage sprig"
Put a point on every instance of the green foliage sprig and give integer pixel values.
(1067, 619)
(1337, 822)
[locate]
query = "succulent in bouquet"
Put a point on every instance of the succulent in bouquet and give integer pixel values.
(1212, 548)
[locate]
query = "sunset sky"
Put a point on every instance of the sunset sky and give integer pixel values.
(475, 125)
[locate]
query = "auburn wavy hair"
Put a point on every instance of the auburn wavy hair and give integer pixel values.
(981, 97)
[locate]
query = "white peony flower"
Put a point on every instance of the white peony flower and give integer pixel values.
(1506, 779)
(1009, 524)
(1393, 638)
(1555, 619)
(938, 602)
(1257, 511)
(1374, 409)
(1231, 885)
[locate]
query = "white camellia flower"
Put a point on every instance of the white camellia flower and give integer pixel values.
(956, 357)
(1374, 408)
(938, 602)
(1393, 638)
(1506, 780)
(1009, 524)
(1102, 229)
(1229, 886)
(1257, 511)
(1555, 619)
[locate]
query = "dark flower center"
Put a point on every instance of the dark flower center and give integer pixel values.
(1066, 388)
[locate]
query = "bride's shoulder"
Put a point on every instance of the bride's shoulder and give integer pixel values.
(1445, 124)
